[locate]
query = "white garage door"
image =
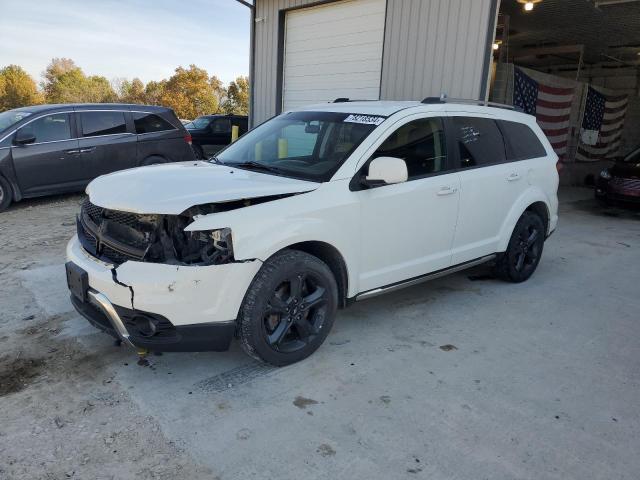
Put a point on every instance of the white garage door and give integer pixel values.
(332, 51)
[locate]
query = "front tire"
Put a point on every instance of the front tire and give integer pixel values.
(288, 309)
(6, 194)
(524, 251)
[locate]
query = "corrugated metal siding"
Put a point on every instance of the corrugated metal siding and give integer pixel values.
(431, 46)
(266, 55)
(435, 46)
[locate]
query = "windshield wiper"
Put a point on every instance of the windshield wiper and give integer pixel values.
(215, 160)
(253, 165)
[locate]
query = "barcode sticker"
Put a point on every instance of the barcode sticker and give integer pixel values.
(365, 119)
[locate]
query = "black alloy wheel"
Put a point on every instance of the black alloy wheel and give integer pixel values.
(524, 251)
(288, 309)
(295, 312)
(528, 249)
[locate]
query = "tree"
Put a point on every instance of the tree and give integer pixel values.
(153, 92)
(98, 90)
(218, 88)
(237, 99)
(64, 82)
(132, 91)
(190, 93)
(17, 88)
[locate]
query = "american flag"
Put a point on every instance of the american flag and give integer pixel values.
(551, 105)
(602, 125)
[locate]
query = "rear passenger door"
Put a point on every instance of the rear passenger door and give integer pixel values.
(489, 185)
(106, 142)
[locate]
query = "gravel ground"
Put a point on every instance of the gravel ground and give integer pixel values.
(461, 378)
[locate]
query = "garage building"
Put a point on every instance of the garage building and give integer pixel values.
(309, 51)
(586, 51)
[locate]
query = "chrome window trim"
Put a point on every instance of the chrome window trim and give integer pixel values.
(42, 143)
(33, 120)
(108, 135)
(157, 131)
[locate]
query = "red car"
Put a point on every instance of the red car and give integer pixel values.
(620, 184)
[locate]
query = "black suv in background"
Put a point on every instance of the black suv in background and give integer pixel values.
(210, 133)
(50, 149)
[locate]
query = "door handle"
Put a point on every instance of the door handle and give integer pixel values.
(72, 152)
(446, 190)
(86, 150)
(513, 177)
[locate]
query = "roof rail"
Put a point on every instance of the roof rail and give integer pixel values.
(345, 100)
(444, 99)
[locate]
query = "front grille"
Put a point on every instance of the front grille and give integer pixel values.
(114, 236)
(122, 218)
(91, 240)
(92, 211)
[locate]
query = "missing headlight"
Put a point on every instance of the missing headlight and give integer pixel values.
(207, 247)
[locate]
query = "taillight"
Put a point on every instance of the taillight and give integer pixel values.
(187, 138)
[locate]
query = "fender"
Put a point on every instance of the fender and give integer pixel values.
(323, 215)
(532, 195)
(8, 172)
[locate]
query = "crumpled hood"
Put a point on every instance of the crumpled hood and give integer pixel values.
(172, 188)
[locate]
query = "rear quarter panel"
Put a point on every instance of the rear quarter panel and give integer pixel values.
(542, 179)
(169, 145)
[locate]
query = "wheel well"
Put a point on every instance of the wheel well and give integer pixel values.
(14, 191)
(332, 257)
(540, 209)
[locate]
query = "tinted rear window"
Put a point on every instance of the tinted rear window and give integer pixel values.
(102, 123)
(150, 122)
(479, 141)
(520, 141)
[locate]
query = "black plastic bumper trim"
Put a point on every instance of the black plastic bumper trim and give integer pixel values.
(198, 337)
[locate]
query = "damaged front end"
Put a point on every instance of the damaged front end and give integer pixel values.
(115, 237)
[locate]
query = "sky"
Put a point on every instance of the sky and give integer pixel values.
(126, 39)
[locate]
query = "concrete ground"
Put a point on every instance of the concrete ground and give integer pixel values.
(465, 377)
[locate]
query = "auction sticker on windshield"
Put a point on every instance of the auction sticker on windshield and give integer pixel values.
(365, 119)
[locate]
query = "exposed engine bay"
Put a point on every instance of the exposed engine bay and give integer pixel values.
(115, 236)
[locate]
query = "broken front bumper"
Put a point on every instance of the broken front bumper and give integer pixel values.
(188, 307)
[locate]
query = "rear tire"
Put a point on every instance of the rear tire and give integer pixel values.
(6, 194)
(288, 309)
(524, 251)
(199, 153)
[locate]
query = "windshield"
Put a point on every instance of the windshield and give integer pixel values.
(306, 145)
(10, 117)
(202, 122)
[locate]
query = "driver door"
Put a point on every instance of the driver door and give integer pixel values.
(52, 162)
(407, 229)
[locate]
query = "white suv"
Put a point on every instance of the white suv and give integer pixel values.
(306, 213)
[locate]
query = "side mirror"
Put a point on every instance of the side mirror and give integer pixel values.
(386, 171)
(24, 137)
